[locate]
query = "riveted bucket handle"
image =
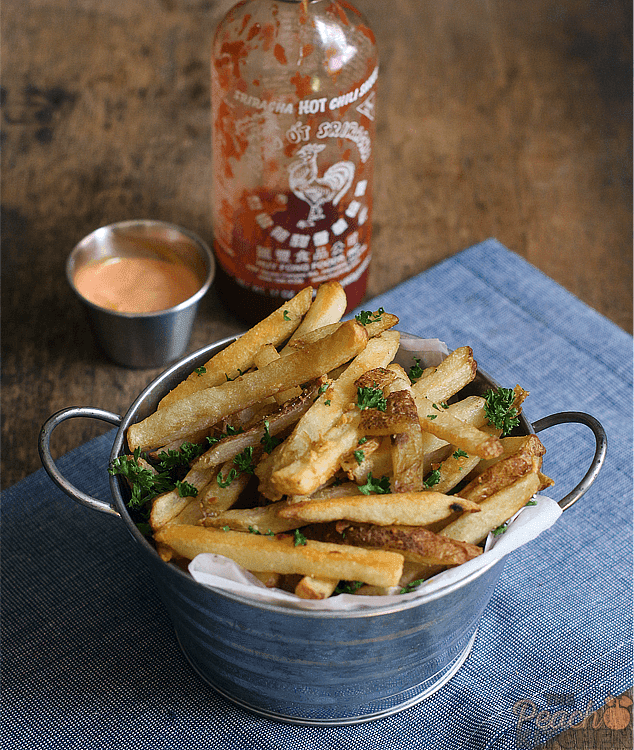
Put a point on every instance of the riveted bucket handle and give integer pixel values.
(599, 454)
(50, 466)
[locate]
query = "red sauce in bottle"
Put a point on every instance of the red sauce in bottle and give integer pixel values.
(293, 97)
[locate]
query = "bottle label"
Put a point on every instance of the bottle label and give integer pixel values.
(311, 221)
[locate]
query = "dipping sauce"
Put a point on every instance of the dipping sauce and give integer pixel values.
(136, 285)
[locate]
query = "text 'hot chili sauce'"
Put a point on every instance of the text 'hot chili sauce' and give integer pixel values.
(293, 108)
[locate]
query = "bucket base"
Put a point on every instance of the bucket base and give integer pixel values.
(422, 691)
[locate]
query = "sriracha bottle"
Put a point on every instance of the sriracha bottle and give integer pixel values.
(293, 113)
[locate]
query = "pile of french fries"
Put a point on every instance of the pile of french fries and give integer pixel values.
(332, 469)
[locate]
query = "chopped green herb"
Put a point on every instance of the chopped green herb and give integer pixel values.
(323, 388)
(415, 371)
(363, 441)
(359, 456)
(200, 371)
(411, 586)
(500, 529)
(225, 528)
(300, 539)
(145, 483)
(432, 479)
(253, 530)
(244, 460)
(286, 315)
(348, 587)
(233, 473)
(460, 453)
(267, 440)
(371, 398)
(327, 402)
(366, 316)
(185, 489)
(188, 452)
(499, 409)
(233, 430)
(531, 502)
(432, 416)
(377, 486)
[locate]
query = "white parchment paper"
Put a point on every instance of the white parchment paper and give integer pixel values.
(224, 574)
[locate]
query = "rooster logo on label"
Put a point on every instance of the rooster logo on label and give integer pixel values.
(307, 185)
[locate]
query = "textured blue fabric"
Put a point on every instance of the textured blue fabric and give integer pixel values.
(90, 657)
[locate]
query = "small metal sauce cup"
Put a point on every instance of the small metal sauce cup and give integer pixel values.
(143, 339)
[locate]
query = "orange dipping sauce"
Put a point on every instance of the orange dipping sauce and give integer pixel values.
(136, 285)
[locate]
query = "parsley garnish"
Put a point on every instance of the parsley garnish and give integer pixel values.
(499, 409)
(371, 398)
(366, 316)
(145, 484)
(253, 530)
(225, 528)
(432, 479)
(377, 486)
(268, 441)
(188, 452)
(363, 440)
(531, 502)
(327, 402)
(286, 315)
(240, 372)
(233, 473)
(185, 489)
(411, 586)
(300, 539)
(348, 587)
(359, 456)
(500, 529)
(244, 460)
(415, 371)
(432, 416)
(460, 453)
(200, 370)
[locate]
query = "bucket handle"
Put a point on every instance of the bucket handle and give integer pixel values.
(48, 462)
(600, 437)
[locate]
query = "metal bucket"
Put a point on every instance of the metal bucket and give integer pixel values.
(306, 666)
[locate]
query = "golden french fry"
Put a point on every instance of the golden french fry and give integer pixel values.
(506, 470)
(415, 543)
(167, 506)
(374, 328)
(207, 407)
(316, 588)
(441, 423)
(451, 375)
(402, 509)
(259, 520)
(344, 489)
(327, 308)
(220, 494)
(494, 511)
(351, 462)
(237, 358)
(282, 554)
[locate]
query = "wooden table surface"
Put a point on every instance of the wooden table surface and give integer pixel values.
(499, 118)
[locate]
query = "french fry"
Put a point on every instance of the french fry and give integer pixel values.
(451, 375)
(270, 579)
(374, 328)
(378, 463)
(209, 406)
(260, 520)
(506, 470)
(220, 495)
(344, 489)
(281, 553)
(415, 543)
(316, 588)
(167, 506)
(494, 511)
(267, 354)
(442, 424)
(237, 358)
(327, 308)
(402, 509)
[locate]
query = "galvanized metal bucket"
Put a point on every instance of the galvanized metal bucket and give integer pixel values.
(308, 666)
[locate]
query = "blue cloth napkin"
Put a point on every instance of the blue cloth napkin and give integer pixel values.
(90, 657)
